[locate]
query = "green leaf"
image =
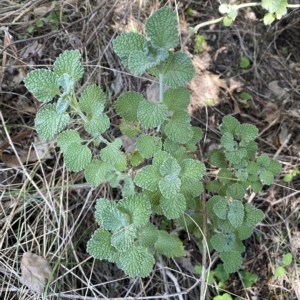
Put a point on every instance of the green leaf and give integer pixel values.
(169, 186)
(66, 138)
(123, 238)
(138, 207)
(267, 177)
(173, 207)
(126, 43)
(246, 133)
(148, 235)
(227, 21)
(274, 167)
(236, 157)
(192, 170)
(178, 128)
(62, 105)
(236, 213)
(227, 141)
(127, 105)
(244, 62)
(263, 160)
(101, 204)
(177, 100)
(169, 245)
(95, 172)
(197, 136)
(148, 145)
(244, 232)
(221, 208)
(252, 167)
(223, 242)
(248, 278)
(67, 83)
(170, 146)
(136, 159)
(148, 178)
(279, 271)
(111, 153)
(129, 129)
(69, 62)
(277, 6)
(139, 62)
(256, 186)
(170, 167)
(151, 114)
(232, 261)
(99, 246)
(113, 219)
(229, 124)
(252, 215)
(191, 189)
(161, 28)
(136, 261)
(98, 124)
(77, 157)
(225, 176)
(217, 158)
(220, 273)
(48, 122)
(287, 259)
(128, 187)
(236, 191)
(269, 18)
(43, 84)
(178, 70)
(92, 98)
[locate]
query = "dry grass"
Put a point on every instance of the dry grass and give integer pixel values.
(48, 211)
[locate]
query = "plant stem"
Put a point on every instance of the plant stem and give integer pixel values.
(161, 87)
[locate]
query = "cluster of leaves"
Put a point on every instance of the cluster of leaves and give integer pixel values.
(276, 9)
(161, 176)
(239, 171)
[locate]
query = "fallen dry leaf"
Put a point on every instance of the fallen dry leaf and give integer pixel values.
(34, 270)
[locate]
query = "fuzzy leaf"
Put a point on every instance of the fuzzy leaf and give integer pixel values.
(101, 205)
(136, 261)
(62, 105)
(178, 128)
(128, 187)
(251, 149)
(236, 213)
(68, 137)
(256, 186)
(247, 133)
(126, 43)
(111, 153)
(177, 99)
(263, 160)
(221, 208)
(113, 219)
(129, 129)
(173, 207)
(136, 159)
(77, 157)
(170, 167)
(252, 215)
(178, 70)
(236, 157)
(69, 62)
(227, 141)
(169, 186)
(148, 145)
(43, 84)
(138, 207)
(151, 114)
(274, 167)
(244, 232)
(67, 83)
(232, 261)
(223, 242)
(97, 124)
(217, 158)
(148, 178)
(123, 239)
(95, 172)
(170, 146)
(235, 191)
(169, 245)
(139, 62)
(99, 246)
(48, 122)
(92, 98)
(127, 105)
(197, 136)
(225, 176)
(229, 124)
(241, 174)
(161, 28)
(267, 177)
(148, 235)
(192, 170)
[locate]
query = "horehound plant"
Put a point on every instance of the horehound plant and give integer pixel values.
(161, 176)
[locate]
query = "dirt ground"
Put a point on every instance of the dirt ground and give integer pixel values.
(48, 211)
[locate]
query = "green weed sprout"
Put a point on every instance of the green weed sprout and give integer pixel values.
(161, 176)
